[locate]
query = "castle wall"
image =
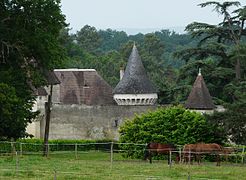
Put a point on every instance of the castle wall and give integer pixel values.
(89, 122)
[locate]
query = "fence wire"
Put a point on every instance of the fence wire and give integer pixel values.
(13, 154)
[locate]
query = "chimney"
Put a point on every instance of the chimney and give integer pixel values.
(121, 72)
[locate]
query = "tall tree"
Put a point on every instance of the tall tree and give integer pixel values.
(233, 121)
(230, 30)
(153, 45)
(112, 39)
(88, 38)
(14, 114)
(29, 45)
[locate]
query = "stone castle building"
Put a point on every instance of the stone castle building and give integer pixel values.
(84, 105)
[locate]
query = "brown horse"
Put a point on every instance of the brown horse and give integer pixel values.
(158, 148)
(196, 150)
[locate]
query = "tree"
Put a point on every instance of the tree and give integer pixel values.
(111, 39)
(221, 48)
(233, 121)
(125, 49)
(216, 78)
(153, 45)
(15, 114)
(88, 38)
(29, 46)
(230, 30)
(29, 33)
(170, 125)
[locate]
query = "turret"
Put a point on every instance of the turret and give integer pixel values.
(135, 88)
(199, 98)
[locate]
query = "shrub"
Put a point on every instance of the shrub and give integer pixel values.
(36, 145)
(174, 125)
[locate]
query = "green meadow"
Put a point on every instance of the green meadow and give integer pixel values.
(99, 165)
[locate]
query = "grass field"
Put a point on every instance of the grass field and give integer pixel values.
(97, 166)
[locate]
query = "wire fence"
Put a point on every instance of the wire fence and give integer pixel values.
(125, 149)
(110, 152)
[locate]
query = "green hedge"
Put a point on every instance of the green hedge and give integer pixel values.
(36, 145)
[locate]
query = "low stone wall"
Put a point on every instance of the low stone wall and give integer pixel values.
(89, 122)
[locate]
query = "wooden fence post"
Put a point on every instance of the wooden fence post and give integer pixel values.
(111, 153)
(76, 151)
(13, 149)
(188, 175)
(170, 159)
(16, 163)
(54, 174)
(189, 157)
(180, 155)
(243, 154)
(20, 149)
(48, 150)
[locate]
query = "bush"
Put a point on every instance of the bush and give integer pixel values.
(36, 145)
(174, 125)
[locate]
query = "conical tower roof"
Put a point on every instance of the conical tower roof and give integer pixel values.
(135, 79)
(199, 97)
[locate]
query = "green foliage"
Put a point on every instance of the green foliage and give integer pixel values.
(233, 121)
(169, 125)
(217, 79)
(153, 45)
(14, 113)
(29, 31)
(111, 40)
(229, 32)
(224, 45)
(29, 45)
(88, 38)
(36, 145)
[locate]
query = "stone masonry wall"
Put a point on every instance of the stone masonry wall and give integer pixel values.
(89, 122)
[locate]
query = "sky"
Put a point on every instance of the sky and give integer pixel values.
(136, 15)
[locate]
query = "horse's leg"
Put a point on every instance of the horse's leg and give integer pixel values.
(198, 159)
(150, 157)
(168, 159)
(177, 159)
(218, 160)
(185, 158)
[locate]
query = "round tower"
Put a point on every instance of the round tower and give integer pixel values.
(135, 88)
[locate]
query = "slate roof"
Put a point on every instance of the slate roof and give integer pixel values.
(41, 91)
(135, 79)
(51, 78)
(199, 97)
(83, 86)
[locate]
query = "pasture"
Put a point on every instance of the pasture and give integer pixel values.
(101, 165)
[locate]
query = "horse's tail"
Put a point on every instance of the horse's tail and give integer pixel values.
(146, 151)
(175, 151)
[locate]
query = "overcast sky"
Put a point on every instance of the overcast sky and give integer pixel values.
(136, 14)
